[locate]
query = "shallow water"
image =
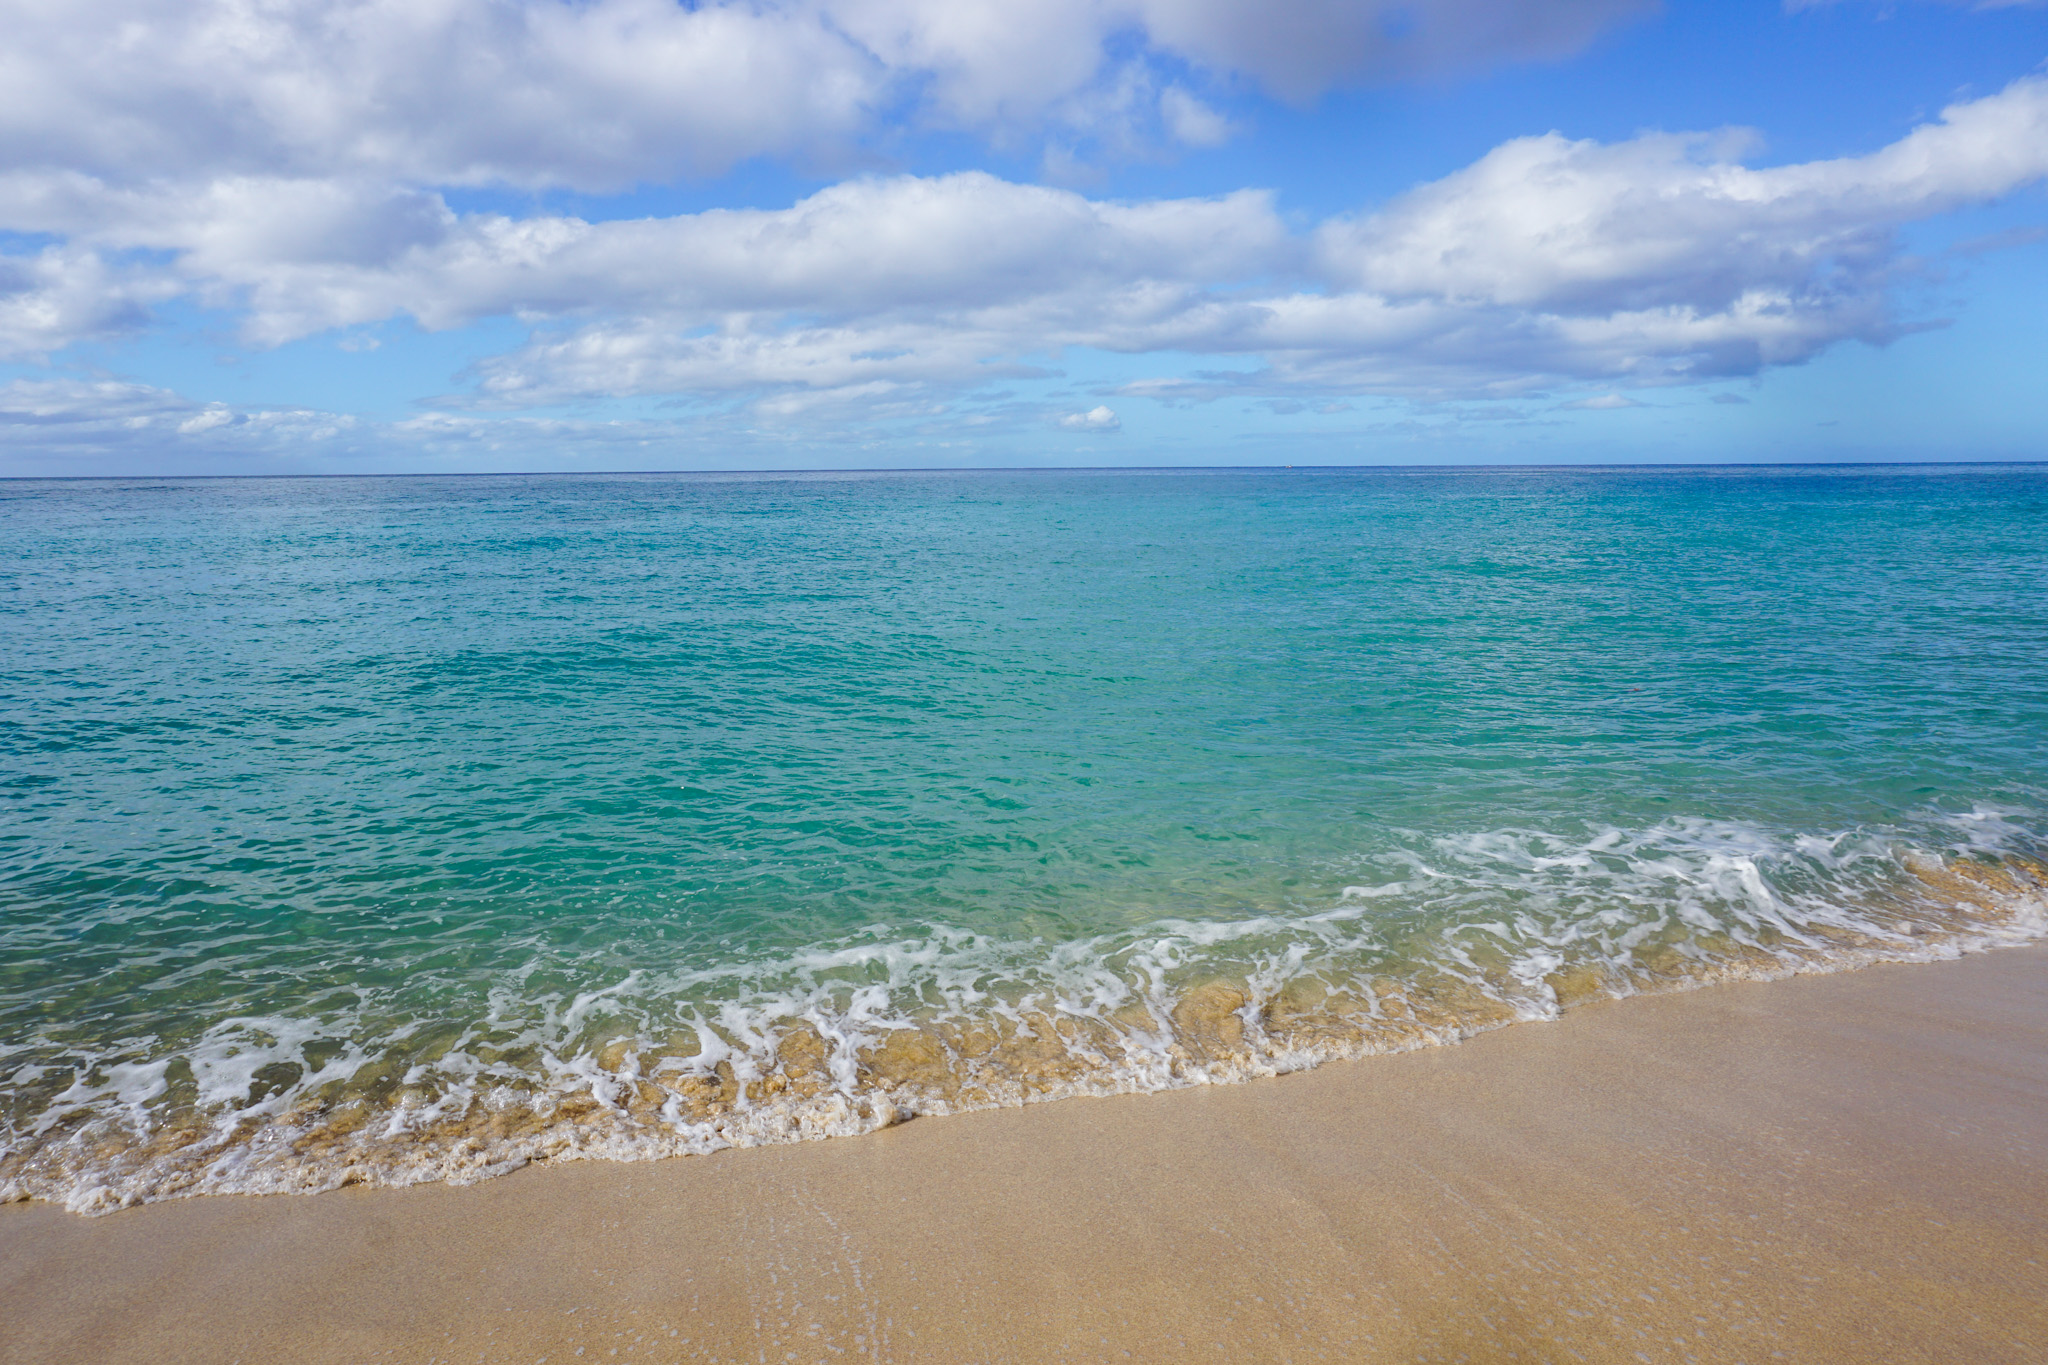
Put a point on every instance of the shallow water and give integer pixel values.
(396, 829)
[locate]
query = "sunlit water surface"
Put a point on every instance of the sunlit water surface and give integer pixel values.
(396, 829)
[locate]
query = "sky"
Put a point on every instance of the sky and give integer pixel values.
(366, 236)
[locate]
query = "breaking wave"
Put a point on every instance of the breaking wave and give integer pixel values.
(1437, 939)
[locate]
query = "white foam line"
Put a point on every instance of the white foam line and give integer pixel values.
(1501, 911)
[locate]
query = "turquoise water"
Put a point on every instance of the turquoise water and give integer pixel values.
(394, 829)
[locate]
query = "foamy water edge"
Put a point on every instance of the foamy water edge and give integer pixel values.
(861, 1035)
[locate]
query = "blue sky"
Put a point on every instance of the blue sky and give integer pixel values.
(468, 235)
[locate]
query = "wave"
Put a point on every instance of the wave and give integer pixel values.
(1441, 937)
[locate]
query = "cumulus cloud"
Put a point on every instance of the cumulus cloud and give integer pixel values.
(1586, 228)
(1548, 262)
(64, 294)
(95, 415)
(593, 95)
(1661, 259)
(1098, 418)
(599, 94)
(306, 257)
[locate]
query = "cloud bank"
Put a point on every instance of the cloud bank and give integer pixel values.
(1548, 261)
(302, 194)
(599, 94)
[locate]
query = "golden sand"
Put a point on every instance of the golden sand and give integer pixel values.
(1850, 1167)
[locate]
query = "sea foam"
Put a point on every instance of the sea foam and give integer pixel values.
(1456, 935)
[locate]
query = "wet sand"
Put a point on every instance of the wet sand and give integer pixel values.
(1838, 1168)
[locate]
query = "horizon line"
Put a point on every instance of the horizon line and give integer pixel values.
(1036, 469)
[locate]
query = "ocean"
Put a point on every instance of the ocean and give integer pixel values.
(379, 830)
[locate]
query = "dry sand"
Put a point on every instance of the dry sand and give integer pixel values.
(1843, 1168)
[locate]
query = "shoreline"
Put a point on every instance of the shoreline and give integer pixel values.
(833, 1061)
(1832, 1166)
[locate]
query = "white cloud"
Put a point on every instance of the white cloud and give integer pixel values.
(68, 402)
(1190, 121)
(1548, 262)
(304, 258)
(95, 415)
(66, 426)
(599, 94)
(1656, 260)
(1098, 418)
(1666, 221)
(283, 158)
(63, 294)
(594, 95)
(215, 415)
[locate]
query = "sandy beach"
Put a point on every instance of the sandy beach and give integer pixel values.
(1839, 1168)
